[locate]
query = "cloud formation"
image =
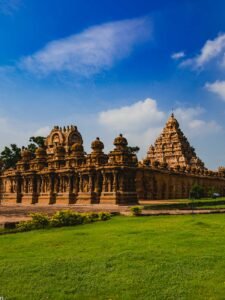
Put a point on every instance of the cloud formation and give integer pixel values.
(87, 53)
(133, 117)
(42, 131)
(193, 124)
(143, 121)
(217, 87)
(178, 55)
(211, 50)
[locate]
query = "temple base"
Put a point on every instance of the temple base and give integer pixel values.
(86, 198)
(65, 198)
(10, 199)
(119, 198)
(28, 199)
(45, 199)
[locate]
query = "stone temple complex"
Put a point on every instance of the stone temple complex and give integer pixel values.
(62, 173)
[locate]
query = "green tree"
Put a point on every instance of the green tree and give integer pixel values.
(36, 141)
(196, 192)
(133, 149)
(10, 156)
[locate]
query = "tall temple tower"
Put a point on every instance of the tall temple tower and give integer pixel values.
(173, 148)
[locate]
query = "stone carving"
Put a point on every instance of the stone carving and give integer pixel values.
(61, 171)
(173, 148)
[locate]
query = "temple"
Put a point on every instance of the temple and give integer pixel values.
(62, 173)
(173, 148)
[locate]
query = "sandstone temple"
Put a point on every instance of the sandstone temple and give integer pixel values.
(62, 173)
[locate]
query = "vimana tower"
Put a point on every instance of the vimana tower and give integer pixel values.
(62, 173)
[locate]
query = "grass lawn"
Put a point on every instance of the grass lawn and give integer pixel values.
(165, 257)
(204, 203)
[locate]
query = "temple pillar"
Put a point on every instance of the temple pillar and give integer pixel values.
(123, 187)
(11, 190)
(47, 194)
(64, 194)
(29, 193)
(86, 193)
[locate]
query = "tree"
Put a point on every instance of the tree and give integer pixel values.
(10, 156)
(133, 149)
(196, 192)
(36, 141)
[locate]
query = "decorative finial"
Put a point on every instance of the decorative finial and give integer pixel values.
(172, 112)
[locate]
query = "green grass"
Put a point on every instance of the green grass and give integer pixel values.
(205, 203)
(165, 257)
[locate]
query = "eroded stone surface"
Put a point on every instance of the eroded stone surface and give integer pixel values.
(62, 173)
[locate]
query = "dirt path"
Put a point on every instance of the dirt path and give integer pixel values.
(15, 213)
(19, 213)
(182, 212)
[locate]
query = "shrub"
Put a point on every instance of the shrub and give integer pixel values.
(66, 218)
(196, 192)
(90, 217)
(40, 220)
(25, 226)
(104, 216)
(61, 218)
(136, 210)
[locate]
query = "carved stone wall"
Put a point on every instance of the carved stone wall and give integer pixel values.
(173, 148)
(62, 173)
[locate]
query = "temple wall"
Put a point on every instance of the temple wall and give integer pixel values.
(107, 185)
(112, 185)
(153, 184)
(61, 172)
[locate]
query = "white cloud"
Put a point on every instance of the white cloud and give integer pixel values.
(193, 124)
(217, 87)
(133, 117)
(87, 53)
(211, 49)
(143, 121)
(43, 131)
(18, 132)
(178, 55)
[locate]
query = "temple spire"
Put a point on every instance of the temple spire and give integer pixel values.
(173, 147)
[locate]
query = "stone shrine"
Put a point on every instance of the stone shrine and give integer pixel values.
(62, 173)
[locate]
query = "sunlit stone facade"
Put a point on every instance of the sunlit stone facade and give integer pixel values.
(62, 173)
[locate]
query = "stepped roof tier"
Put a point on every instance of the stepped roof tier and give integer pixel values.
(62, 137)
(173, 148)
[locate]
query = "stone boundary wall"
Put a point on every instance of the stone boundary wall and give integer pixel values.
(159, 184)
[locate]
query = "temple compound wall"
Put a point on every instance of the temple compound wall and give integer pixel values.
(62, 173)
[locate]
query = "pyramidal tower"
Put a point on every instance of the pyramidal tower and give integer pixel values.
(173, 148)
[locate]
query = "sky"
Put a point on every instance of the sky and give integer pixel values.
(113, 67)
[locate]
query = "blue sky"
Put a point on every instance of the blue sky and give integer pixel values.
(114, 66)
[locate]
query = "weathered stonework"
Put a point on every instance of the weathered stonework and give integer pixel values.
(62, 173)
(173, 148)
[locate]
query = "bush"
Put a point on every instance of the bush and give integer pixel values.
(136, 210)
(66, 218)
(104, 216)
(60, 219)
(90, 217)
(196, 192)
(25, 226)
(40, 220)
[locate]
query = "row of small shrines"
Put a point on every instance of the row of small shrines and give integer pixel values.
(107, 186)
(72, 177)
